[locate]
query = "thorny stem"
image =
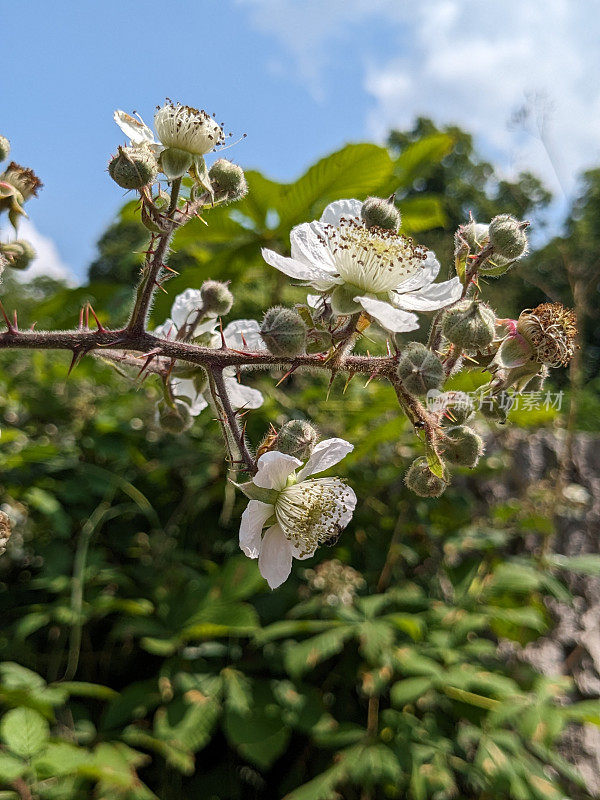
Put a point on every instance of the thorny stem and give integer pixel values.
(232, 421)
(155, 261)
(119, 345)
(106, 341)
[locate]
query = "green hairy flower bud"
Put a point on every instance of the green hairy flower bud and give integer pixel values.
(297, 438)
(176, 418)
(283, 331)
(458, 408)
(470, 238)
(461, 446)
(419, 369)
(378, 213)
(216, 298)
(493, 410)
(133, 167)
(469, 325)
(227, 180)
(507, 236)
(19, 254)
(175, 163)
(4, 148)
(421, 480)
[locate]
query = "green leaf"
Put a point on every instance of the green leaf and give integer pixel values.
(14, 676)
(408, 623)
(435, 463)
(588, 564)
(409, 690)
(331, 733)
(584, 711)
(514, 577)
(187, 722)
(417, 160)
(10, 767)
(354, 171)
(239, 578)
(422, 214)
(302, 656)
(179, 758)
(260, 736)
(411, 662)
(323, 787)
(293, 628)
(83, 689)
(24, 731)
(61, 758)
(373, 764)
(159, 647)
(376, 639)
(527, 617)
(238, 690)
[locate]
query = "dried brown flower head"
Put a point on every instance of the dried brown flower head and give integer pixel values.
(551, 329)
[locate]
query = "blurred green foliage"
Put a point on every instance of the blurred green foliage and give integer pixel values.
(143, 656)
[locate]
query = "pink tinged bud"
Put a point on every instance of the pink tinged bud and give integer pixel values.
(515, 351)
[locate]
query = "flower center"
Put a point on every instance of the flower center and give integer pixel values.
(188, 129)
(374, 259)
(312, 512)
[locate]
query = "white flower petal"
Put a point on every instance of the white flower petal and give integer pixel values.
(325, 455)
(430, 298)
(315, 301)
(251, 525)
(346, 503)
(168, 330)
(137, 131)
(274, 468)
(243, 334)
(296, 269)
(390, 318)
(275, 559)
(298, 553)
(184, 387)
(341, 208)
(185, 306)
(309, 246)
(426, 275)
(242, 396)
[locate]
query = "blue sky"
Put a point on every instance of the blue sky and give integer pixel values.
(300, 77)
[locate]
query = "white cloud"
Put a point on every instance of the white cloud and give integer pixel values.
(48, 261)
(476, 64)
(468, 62)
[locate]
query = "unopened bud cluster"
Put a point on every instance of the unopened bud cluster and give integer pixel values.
(421, 480)
(505, 236)
(227, 180)
(18, 254)
(297, 438)
(470, 325)
(284, 332)
(133, 167)
(216, 298)
(419, 369)
(378, 213)
(174, 417)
